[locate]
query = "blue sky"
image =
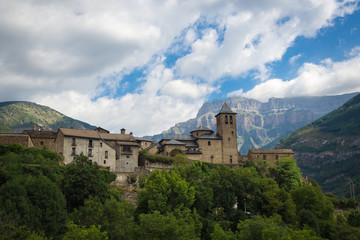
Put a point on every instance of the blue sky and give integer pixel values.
(147, 65)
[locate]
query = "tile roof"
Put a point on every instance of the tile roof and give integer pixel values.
(174, 142)
(97, 135)
(202, 128)
(40, 134)
(179, 137)
(211, 136)
(225, 109)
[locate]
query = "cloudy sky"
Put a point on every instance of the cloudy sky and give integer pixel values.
(146, 65)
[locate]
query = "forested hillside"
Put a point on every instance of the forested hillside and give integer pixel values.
(40, 199)
(328, 150)
(16, 116)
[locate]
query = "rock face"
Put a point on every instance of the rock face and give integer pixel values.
(17, 116)
(261, 125)
(328, 150)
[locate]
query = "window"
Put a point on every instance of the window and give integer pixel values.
(90, 152)
(231, 120)
(90, 143)
(264, 157)
(231, 159)
(106, 154)
(101, 144)
(73, 142)
(73, 152)
(276, 157)
(104, 161)
(209, 143)
(41, 143)
(126, 149)
(212, 158)
(232, 132)
(127, 156)
(226, 119)
(229, 139)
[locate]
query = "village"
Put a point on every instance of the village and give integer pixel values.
(119, 152)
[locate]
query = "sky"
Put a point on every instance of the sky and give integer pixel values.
(145, 65)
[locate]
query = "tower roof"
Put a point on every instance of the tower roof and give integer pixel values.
(225, 109)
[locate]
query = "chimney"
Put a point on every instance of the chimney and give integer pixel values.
(130, 133)
(122, 131)
(34, 126)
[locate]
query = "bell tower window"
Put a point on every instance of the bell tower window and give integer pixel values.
(226, 119)
(231, 120)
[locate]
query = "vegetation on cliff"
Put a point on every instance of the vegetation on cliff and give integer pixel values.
(41, 199)
(15, 115)
(328, 150)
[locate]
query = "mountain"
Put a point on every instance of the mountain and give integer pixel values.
(328, 150)
(261, 125)
(17, 116)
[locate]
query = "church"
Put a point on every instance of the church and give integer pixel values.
(203, 144)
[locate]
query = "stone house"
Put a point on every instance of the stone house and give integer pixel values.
(16, 138)
(117, 152)
(269, 155)
(204, 144)
(42, 138)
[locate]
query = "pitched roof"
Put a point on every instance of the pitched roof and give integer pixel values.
(210, 136)
(225, 109)
(94, 134)
(179, 137)
(202, 128)
(40, 134)
(271, 151)
(174, 142)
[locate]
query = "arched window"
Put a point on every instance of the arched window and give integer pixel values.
(231, 120)
(231, 159)
(226, 119)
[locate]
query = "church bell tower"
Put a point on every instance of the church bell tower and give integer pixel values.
(226, 128)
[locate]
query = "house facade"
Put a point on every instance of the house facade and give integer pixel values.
(117, 152)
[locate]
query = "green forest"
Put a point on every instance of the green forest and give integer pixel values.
(42, 199)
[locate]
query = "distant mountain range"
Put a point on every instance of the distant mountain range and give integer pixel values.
(328, 150)
(17, 116)
(261, 125)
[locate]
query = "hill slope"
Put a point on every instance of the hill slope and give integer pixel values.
(262, 125)
(328, 150)
(16, 116)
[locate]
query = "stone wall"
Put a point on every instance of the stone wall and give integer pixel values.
(21, 139)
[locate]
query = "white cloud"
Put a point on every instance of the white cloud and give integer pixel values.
(65, 53)
(328, 78)
(293, 59)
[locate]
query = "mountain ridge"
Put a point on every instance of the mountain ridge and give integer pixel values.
(328, 149)
(16, 116)
(261, 125)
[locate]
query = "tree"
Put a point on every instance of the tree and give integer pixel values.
(169, 226)
(76, 232)
(36, 202)
(165, 191)
(287, 174)
(314, 208)
(82, 179)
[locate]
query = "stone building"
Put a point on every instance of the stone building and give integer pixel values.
(144, 142)
(204, 144)
(269, 155)
(16, 138)
(42, 138)
(118, 152)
